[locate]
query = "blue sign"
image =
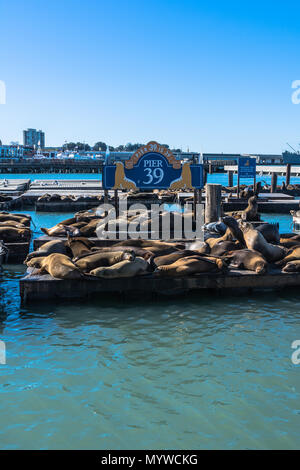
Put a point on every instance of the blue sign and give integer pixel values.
(153, 170)
(247, 167)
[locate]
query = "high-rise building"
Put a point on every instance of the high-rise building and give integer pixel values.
(32, 137)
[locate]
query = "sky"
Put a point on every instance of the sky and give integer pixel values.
(200, 75)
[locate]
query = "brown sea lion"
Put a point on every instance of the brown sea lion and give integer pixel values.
(211, 242)
(141, 252)
(256, 241)
(292, 267)
(14, 235)
(153, 243)
(292, 255)
(199, 246)
(17, 218)
(89, 230)
(234, 228)
(97, 260)
(61, 231)
(125, 268)
(172, 257)
(54, 246)
(190, 265)
(13, 223)
(223, 247)
(250, 213)
(247, 259)
(79, 246)
(289, 242)
(57, 265)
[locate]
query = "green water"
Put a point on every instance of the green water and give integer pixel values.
(206, 371)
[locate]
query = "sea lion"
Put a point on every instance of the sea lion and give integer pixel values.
(289, 242)
(12, 223)
(57, 265)
(201, 247)
(140, 242)
(125, 268)
(17, 218)
(291, 255)
(89, 230)
(250, 213)
(223, 247)
(87, 263)
(190, 265)
(54, 246)
(270, 232)
(61, 231)
(234, 228)
(14, 235)
(256, 241)
(211, 242)
(292, 267)
(79, 246)
(172, 257)
(247, 259)
(141, 252)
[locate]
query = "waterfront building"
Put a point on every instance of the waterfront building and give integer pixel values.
(32, 137)
(15, 151)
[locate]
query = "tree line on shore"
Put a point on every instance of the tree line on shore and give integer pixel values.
(102, 146)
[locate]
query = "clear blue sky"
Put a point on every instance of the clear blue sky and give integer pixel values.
(212, 76)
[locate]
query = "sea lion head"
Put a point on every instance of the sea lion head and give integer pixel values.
(260, 267)
(290, 268)
(128, 255)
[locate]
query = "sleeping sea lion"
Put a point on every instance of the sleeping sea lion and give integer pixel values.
(96, 260)
(57, 265)
(61, 231)
(125, 268)
(13, 235)
(141, 252)
(54, 246)
(190, 265)
(17, 218)
(291, 255)
(223, 247)
(79, 246)
(165, 260)
(247, 259)
(292, 267)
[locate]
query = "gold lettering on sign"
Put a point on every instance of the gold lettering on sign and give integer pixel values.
(153, 147)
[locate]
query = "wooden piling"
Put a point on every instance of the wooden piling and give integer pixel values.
(230, 178)
(288, 174)
(213, 203)
(274, 183)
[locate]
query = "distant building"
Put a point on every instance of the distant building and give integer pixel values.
(15, 151)
(32, 137)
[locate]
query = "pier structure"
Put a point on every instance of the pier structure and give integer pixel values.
(41, 287)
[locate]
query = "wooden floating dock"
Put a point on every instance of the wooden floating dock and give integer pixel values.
(44, 287)
(17, 252)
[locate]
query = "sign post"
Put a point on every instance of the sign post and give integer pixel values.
(246, 169)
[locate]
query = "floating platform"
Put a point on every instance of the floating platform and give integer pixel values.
(13, 187)
(17, 252)
(44, 287)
